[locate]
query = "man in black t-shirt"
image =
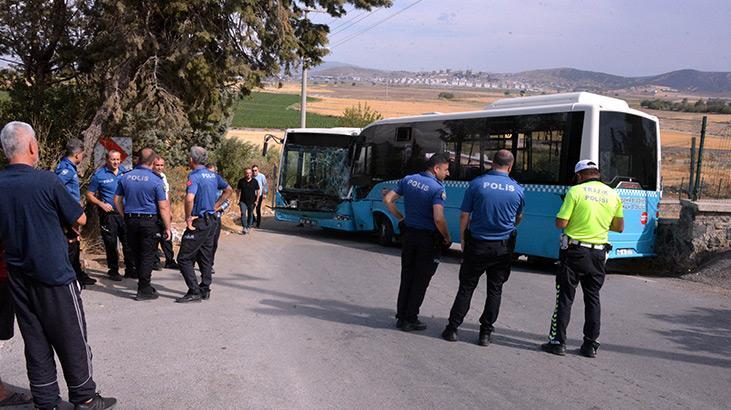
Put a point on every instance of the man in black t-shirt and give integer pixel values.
(35, 209)
(248, 190)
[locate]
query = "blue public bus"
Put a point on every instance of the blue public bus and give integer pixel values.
(547, 134)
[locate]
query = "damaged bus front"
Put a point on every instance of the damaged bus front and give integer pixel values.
(314, 182)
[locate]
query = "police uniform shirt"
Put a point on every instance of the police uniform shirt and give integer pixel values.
(104, 184)
(590, 207)
(34, 206)
(142, 189)
(494, 200)
(66, 171)
(420, 192)
(204, 184)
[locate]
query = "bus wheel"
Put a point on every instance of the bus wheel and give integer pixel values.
(384, 231)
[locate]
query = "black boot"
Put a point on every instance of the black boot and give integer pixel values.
(589, 348)
(450, 334)
(485, 337)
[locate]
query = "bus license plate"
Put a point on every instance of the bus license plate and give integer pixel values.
(625, 251)
(309, 222)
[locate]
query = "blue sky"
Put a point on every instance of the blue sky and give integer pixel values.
(639, 37)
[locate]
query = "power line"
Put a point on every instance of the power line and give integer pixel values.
(355, 22)
(377, 24)
(349, 19)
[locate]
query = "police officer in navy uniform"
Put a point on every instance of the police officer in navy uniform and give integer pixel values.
(201, 206)
(102, 187)
(35, 209)
(491, 209)
(589, 211)
(66, 171)
(142, 201)
(424, 232)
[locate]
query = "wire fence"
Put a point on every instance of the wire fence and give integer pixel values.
(700, 168)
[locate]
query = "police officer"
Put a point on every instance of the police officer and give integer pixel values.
(102, 187)
(46, 299)
(491, 209)
(141, 200)
(197, 242)
(590, 210)
(66, 171)
(424, 232)
(218, 215)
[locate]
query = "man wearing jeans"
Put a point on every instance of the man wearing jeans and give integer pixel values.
(263, 191)
(248, 190)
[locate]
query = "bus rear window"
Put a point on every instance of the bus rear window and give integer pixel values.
(627, 149)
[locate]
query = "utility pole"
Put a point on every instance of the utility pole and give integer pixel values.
(303, 91)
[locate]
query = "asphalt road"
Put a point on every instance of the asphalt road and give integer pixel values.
(302, 318)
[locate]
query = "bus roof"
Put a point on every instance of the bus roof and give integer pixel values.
(334, 131)
(528, 105)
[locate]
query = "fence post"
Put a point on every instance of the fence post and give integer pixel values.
(696, 185)
(692, 168)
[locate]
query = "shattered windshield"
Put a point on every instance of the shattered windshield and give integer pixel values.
(322, 170)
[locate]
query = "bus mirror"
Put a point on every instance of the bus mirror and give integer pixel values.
(264, 150)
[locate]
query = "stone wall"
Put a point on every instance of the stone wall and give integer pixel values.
(703, 230)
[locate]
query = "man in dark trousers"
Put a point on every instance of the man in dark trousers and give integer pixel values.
(491, 208)
(141, 200)
(248, 190)
(8, 397)
(200, 208)
(165, 244)
(590, 210)
(36, 209)
(66, 171)
(424, 232)
(102, 187)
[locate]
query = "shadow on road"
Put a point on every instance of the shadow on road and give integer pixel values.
(127, 288)
(705, 330)
(288, 304)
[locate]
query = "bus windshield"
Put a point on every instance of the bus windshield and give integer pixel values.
(628, 149)
(317, 164)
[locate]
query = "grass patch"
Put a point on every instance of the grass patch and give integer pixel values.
(269, 110)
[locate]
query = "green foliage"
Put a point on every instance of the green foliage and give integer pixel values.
(711, 105)
(233, 156)
(445, 95)
(165, 73)
(359, 116)
(273, 110)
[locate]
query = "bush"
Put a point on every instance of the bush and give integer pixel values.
(233, 156)
(445, 95)
(359, 116)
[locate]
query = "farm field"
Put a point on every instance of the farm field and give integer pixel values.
(276, 110)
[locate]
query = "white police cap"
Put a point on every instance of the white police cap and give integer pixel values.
(585, 164)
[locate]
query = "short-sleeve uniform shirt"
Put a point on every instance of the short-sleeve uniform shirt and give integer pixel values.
(421, 192)
(204, 184)
(141, 189)
(248, 190)
(493, 200)
(66, 171)
(590, 207)
(104, 184)
(34, 209)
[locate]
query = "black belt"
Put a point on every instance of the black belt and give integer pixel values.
(145, 216)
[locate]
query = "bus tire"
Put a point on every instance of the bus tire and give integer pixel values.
(384, 231)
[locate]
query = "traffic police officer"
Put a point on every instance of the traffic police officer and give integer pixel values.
(491, 209)
(424, 232)
(141, 200)
(66, 171)
(200, 208)
(590, 210)
(102, 187)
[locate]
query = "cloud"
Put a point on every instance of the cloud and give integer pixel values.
(447, 18)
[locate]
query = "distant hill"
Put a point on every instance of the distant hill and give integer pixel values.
(711, 83)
